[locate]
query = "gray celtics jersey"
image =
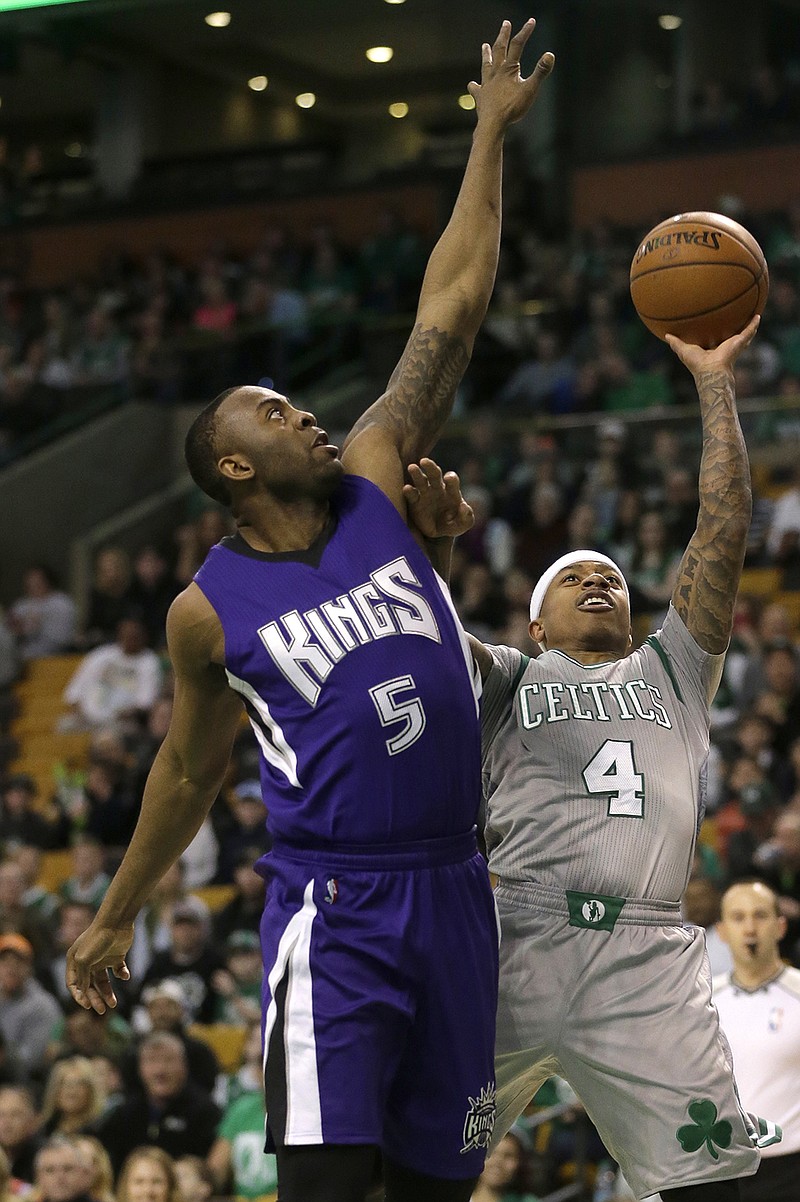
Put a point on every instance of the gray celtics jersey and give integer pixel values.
(593, 775)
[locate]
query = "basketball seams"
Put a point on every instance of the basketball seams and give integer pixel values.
(702, 312)
(697, 263)
(702, 219)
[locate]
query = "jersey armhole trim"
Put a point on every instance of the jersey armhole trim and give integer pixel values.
(526, 659)
(662, 655)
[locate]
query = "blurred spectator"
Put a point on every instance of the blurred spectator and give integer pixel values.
(9, 652)
(780, 699)
(191, 959)
(15, 916)
(200, 858)
(152, 591)
(167, 1010)
(20, 822)
(99, 1173)
(238, 984)
(110, 596)
(88, 880)
(544, 382)
(27, 1011)
(102, 354)
(196, 540)
(73, 919)
(10, 1073)
(62, 1172)
(19, 1124)
(243, 912)
(172, 1113)
(116, 682)
(247, 827)
(700, 906)
(101, 1037)
(73, 1098)
(195, 1180)
(505, 1175)
(653, 569)
(105, 808)
(237, 1159)
(44, 619)
(490, 541)
(149, 1175)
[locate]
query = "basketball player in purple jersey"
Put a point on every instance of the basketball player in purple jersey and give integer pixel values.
(324, 617)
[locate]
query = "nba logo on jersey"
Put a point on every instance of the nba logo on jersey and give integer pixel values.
(479, 1123)
(593, 911)
(331, 891)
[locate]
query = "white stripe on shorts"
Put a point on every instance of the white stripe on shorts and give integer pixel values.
(303, 1108)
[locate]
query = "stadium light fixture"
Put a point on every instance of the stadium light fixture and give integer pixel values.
(306, 100)
(380, 54)
(258, 83)
(217, 20)
(467, 102)
(398, 109)
(670, 21)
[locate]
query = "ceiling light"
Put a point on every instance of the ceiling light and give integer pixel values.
(399, 109)
(258, 83)
(218, 20)
(380, 54)
(467, 102)
(306, 100)
(395, 1)
(74, 150)
(670, 21)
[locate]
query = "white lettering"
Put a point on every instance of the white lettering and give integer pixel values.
(595, 688)
(420, 619)
(378, 616)
(341, 615)
(572, 689)
(553, 713)
(630, 688)
(290, 655)
(529, 720)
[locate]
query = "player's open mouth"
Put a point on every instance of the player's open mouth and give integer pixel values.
(322, 441)
(599, 601)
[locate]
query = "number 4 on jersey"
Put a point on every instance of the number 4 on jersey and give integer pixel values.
(612, 774)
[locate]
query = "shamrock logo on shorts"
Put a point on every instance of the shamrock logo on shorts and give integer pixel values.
(704, 1128)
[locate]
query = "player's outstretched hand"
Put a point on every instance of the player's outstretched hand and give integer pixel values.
(435, 504)
(503, 95)
(93, 953)
(719, 358)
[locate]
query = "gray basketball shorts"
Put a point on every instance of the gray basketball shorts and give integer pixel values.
(614, 996)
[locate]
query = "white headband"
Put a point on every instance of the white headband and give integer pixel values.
(547, 578)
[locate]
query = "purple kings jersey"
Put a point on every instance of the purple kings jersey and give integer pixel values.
(357, 679)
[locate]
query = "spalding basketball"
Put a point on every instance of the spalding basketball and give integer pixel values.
(700, 276)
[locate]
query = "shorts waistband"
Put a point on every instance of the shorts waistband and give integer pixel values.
(632, 911)
(421, 853)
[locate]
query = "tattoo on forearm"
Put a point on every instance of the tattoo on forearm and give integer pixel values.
(420, 394)
(708, 578)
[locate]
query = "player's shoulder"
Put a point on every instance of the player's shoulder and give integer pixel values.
(507, 661)
(721, 984)
(194, 631)
(789, 982)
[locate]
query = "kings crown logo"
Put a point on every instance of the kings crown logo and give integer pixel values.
(479, 1123)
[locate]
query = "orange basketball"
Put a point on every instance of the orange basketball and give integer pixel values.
(700, 276)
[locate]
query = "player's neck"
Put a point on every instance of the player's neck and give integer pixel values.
(753, 975)
(271, 525)
(583, 656)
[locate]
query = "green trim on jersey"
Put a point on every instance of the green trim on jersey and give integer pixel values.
(662, 655)
(526, 659)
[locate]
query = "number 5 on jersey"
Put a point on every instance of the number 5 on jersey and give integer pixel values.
(612, 773)
(391, 710)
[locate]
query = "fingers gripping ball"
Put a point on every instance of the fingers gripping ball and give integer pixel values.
(699, 276)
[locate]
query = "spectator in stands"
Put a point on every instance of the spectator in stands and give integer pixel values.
(102, 354)
(216, 310)
(15, 916)
(172, 1113)
(196, 539)
(100, 1037)
(110, 598)
(191, 959)
(506, 1174)
(149, 1175)
(654, 566)
(62, 1171)
(237, 1159)
(44, 619)
(247, 829)
(88, 880)
(73, 1098)
(28, 1012)
(19, 1124)
(116, 683)
(152, 591)
(106, 808)
(10, 1073)
(21, 823)
(238, 984)
(156, 363)
(784, 528)
(243, 912)
(99, 1173)
(166, 1009)
(9, 652)
(779, 701)
(543, 383)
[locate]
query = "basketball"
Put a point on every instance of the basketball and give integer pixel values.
(699, 276)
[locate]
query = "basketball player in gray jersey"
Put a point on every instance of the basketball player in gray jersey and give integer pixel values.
(593, 763)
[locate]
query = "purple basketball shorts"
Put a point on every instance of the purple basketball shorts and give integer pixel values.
(380, 991)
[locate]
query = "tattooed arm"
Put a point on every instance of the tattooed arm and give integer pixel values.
(404, 424)
(708, 578)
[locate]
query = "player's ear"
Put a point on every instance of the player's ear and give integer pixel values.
(719, 927)
(782, 926)
(536, 631)
(630, 639)
(236, 468)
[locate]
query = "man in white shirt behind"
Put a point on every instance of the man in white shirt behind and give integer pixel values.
(759, 1010)
(115, 682)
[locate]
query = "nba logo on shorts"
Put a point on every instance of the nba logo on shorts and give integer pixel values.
(479, 1123)
(593, 911)
(331, 891)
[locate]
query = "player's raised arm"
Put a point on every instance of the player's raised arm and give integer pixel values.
(708, 578)
(405, 422)
(184, 781)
